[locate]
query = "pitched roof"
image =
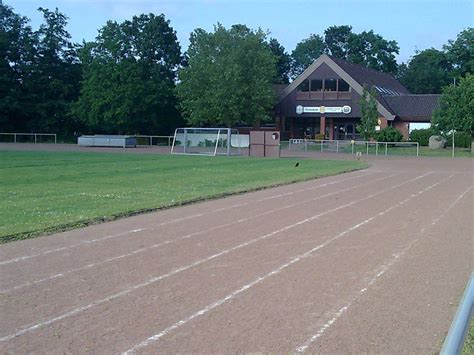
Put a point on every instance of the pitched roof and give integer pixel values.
(413, 107)
(382, 82)
(393, 98)
(356, 76)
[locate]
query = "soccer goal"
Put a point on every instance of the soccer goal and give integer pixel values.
(208, 141)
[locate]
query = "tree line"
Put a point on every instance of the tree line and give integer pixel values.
(135, 78)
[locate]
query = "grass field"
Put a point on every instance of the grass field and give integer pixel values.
(43, 192)
(469, 344)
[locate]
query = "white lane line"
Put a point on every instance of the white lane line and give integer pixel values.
(302, 348)
(294, 260)
(342, 310)
(310, 188)
(49, 321)
(89, 242)
(140, 250)
(154, 226)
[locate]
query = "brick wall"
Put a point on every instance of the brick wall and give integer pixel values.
(403, 127)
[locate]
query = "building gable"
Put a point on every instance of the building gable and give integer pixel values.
(326, 65)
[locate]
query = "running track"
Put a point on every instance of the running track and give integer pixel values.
(370, 261)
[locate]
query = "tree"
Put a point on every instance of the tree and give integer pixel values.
(229, 77)
(129, 78)
(305, 53)
(373, 51)
(461, 52)
(427, 72)
(366, 48)
(456, 107)
(369, 114)
(39, 72)
(17, 51)
(283, 61)
(55, 75)
(337, 40)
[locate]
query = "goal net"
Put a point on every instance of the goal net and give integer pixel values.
(208, 141)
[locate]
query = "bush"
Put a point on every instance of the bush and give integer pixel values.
(389, 134)
(461, 140)
(422, 136)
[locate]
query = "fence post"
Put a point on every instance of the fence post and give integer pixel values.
(367, 147)
(386, 148)
(322, 143)
(337, 146)
(14, 137)
(376, 148)
(417, 149)
(55, 138)
(352, 143)
(35, 138)
(305, 146)
(453, 144)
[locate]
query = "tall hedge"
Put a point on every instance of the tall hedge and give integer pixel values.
(422, 136)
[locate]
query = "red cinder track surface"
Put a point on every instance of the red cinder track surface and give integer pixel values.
(369, 261)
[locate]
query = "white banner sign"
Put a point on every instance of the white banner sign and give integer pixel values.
(322, 109)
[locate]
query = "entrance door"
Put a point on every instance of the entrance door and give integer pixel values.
(339, 131)
(344, 131)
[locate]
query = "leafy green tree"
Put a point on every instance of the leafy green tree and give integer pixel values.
(228, 79)
(305, 53)
(461, 52)
(283, 61)
(456, 110)
(369, 114)
(427, 72)
(373, 51)
(17, 51)
(55, 75)
(337, 40)
(39, 72)
(129, 78)
(366, 48)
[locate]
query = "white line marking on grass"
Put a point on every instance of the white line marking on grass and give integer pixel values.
(385, 268)
(187, 236)
(49, 321)
(88, 242)
(294, 260)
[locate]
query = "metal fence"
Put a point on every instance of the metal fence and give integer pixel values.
(350, 147)
(28, 137)
(164, 141)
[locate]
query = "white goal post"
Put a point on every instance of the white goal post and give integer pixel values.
(208, 141)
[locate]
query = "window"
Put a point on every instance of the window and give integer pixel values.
(330, 84)
(304, 86)
(316, 85)
(342, 85)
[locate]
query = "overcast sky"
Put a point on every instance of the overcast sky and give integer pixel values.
(414, 24)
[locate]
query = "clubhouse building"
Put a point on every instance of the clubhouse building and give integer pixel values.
(324, 101)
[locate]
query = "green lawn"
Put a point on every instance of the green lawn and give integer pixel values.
(469, 344)
(43, 192)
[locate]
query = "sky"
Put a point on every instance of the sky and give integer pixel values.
(415, 24)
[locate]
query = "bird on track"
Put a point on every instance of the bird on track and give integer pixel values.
(297, 164)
